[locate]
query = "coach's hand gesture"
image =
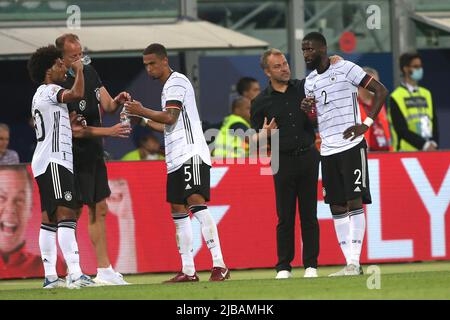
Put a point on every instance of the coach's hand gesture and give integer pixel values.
(269, 126)
(355, 131)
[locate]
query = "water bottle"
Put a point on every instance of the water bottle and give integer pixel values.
(312, 114)
(124, 119)
(85, 61)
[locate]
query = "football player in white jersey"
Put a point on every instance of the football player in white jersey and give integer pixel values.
(332, 90)
(188, 161)
(52, 164)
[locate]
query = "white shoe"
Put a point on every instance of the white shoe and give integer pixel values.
(283, 274)
(58, 283)
(110, 279)
(349, 270)
(353, 270)
(81, 282)
(310, 273)
(340, 273)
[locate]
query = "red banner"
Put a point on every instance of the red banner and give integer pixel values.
(408, 220)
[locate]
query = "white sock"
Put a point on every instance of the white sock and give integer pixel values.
(342, 227)
(69, 247)
(47, 245)
(185, 241)
(357, 230)
(210, 233)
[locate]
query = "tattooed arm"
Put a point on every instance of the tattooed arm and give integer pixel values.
(170, 116)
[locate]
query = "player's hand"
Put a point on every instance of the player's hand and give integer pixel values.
(77, 122)
(77, 65)
(122, 97)
(431, 147)
(355, 131)
(335, 59)
(134, 108)
(120, 131)
(119, 202)
(308, 105)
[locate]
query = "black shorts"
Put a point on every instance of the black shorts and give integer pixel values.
(191, 178)
(345, 175)
(57, 188)
(91, 179)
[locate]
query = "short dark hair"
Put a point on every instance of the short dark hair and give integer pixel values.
(237, 103)
(42, 60)
(406, 58)
(316, 36)
(156, 48)
(244, 84)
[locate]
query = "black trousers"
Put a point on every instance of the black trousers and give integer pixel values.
(297, 179)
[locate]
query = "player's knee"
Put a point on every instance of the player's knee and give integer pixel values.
(195, 200)
(78, 213)
(177, 208)
(355, 204)
(337, 209)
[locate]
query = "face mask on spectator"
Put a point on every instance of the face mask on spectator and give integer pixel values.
(417, 74)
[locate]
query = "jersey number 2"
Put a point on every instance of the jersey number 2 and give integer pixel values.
(324, 93)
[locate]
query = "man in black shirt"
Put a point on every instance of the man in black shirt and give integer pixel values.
(89, 165)
(279, 105)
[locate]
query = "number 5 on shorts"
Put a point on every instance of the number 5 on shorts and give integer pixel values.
(187, 174)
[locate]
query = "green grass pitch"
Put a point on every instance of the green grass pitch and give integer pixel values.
(398, 281)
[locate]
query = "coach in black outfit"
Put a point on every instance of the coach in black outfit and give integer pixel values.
(88, 156)
(279, 105)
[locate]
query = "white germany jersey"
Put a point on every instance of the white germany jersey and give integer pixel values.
(185, 138)
(53, 131)
(336, 91)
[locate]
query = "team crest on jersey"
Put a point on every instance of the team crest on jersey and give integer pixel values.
(97, 94)
(82, 105)
(333, 78)
(68, 195)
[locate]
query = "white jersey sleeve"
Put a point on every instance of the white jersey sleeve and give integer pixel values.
(354, 73)
(176, 89)
(52, 92)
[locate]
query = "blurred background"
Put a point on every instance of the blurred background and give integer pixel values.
(215, 43)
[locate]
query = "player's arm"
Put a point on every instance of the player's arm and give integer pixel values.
(153, 125)
(381, 93)
(108, 103)
(81, 130)
(118, 131)
(169, 116)
(76, 93)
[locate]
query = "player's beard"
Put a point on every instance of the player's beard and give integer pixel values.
(314, 64)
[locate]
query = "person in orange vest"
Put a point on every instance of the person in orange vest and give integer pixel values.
(378, 137)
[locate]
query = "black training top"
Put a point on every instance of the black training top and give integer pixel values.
(295, 129)
(86, 149)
